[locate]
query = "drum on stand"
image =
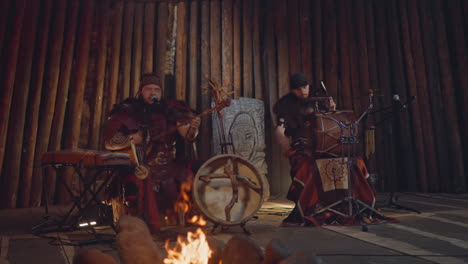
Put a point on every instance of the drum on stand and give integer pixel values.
(228, 190)
(331, 139)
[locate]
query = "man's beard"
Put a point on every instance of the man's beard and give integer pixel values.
(156, 106)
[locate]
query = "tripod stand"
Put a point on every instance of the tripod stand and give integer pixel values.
(350, 206)
(389, 113)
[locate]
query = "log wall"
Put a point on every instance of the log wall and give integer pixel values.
(66, 63)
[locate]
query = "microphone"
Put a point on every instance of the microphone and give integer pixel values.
(396, 99)
(154, 98)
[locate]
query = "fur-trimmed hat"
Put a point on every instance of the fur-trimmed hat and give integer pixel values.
(298, 80)
(149, 78)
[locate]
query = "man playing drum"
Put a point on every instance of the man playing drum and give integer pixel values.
(157, 131)
(295, 114)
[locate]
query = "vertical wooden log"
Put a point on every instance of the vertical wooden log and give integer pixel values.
(405, 155)
(181, 52)
(415, 106)
(205, 141)
(280, 25)
(4, 11)
(11, 170)
(64, 80)
(103, 36)
(247, 90)
(362, 56)
(306, 39)
(34, 100)
(423, 98)
(137, 49)
(317, 41)
(369, 122)
(226, 45)
(148, 36)
(194, 81)
(354, 58)
(292, 23)
(449, 101)
(8, 82)
(237, 23)
(215, 41)
(115, 55)
(129, 15)
(256, 49)
(273, 151)
(371, 46)
(435, 95)
(459, 55)
(282, 47)
(48, 105)
(330, 49)
(384, 131)
(344, 37)
(78, 88)
(465, 11)
(161, 39)
(363, 59)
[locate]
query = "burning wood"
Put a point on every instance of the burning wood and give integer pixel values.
(192, 250)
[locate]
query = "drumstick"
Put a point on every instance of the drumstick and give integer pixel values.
(132, 144)
(324, 88)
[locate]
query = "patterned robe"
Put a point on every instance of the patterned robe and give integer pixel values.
(163, 153)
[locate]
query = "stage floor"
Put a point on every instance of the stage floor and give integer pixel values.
(438, 235)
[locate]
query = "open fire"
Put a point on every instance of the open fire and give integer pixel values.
(192, 250)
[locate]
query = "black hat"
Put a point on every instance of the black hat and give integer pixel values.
(298, 80)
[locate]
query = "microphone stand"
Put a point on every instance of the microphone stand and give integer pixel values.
(389, 113)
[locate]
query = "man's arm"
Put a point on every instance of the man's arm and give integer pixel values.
(281, 137)
(121, 141)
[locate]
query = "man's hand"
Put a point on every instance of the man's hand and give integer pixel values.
(137, 137)
(330, 104)
(195, 122)
(189, 130)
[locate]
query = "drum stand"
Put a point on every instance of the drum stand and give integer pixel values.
(356, 207)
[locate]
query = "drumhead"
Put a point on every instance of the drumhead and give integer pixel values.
(213, 189)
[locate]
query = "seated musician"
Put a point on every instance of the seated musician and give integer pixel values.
(160, 131)
(294, 132)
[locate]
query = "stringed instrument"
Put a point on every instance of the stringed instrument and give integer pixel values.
(139, 151)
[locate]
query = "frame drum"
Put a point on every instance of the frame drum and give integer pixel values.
(228, 190)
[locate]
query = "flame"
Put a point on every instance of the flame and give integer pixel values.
(195, 250)
(197, 220)
(183, 203)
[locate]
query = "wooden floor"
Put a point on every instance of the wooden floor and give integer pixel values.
(439, 234)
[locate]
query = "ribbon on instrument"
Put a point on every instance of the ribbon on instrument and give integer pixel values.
(370, 142)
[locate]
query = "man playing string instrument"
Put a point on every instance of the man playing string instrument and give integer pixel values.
(160, 131)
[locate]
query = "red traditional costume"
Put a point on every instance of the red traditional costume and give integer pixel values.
(311, 190)
(163, 153)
